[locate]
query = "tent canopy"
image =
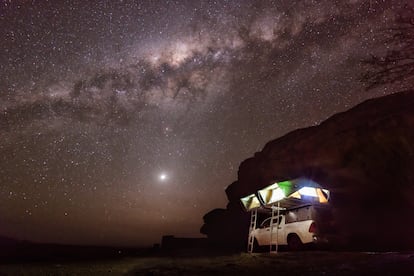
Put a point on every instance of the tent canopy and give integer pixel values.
(289, 194)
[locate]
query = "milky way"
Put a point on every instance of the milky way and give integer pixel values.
(99, 99)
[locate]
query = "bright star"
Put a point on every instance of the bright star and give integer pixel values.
(163, 177)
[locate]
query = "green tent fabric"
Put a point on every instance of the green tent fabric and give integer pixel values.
(289, 194)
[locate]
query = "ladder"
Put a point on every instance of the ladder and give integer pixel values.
(253, 220)
(274, 247)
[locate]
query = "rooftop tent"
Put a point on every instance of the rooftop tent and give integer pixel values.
(250, 202)
(309, 190)
(292, 193)
(275, 192)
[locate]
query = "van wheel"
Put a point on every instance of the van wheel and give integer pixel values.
(294, 243)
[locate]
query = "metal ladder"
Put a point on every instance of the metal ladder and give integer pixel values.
(274, 247)
(253, 220)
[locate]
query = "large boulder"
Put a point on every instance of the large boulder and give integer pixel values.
(365, 156)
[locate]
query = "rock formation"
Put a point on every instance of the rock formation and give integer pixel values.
(364, 156)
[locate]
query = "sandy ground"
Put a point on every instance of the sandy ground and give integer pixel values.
(284, 263)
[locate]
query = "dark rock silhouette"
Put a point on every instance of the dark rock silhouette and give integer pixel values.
(365, 156)
(6, 241)
(226, 228)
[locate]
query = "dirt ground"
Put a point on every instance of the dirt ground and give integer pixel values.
(283, 263)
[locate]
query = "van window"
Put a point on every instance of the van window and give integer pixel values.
(266, 223)
(276, 220)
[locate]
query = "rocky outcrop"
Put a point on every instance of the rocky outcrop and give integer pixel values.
(365, 156)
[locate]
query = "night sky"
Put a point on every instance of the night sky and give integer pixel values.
(122, 121)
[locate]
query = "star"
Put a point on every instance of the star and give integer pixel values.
(163, 177)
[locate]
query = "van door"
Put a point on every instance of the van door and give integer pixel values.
(278, 230)
(263, 233)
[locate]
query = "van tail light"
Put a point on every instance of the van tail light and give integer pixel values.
(312, 228)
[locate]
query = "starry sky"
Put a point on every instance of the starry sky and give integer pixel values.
(122, 121)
